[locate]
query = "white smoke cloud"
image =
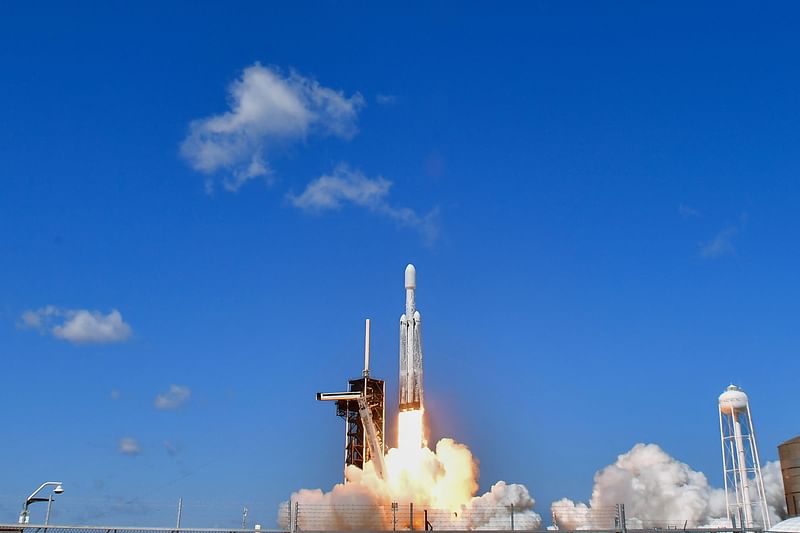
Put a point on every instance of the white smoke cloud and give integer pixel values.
(493, 509)
(773, 487)
(441, 481)
(658, 491)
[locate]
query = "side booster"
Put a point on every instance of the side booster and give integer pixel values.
(410, 348)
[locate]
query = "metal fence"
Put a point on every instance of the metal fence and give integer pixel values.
(295, 517)
(403, 517)
(18, 528)
(671, 526)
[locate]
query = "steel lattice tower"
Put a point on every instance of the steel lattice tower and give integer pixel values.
(745, 497)
(363, 408)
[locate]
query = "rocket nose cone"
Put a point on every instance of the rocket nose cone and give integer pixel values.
(411, 277)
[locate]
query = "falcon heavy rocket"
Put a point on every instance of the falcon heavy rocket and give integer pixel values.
(410, 348)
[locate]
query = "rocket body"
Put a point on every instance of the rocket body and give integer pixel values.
(410, 348)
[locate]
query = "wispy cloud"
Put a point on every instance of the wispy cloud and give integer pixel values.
(129, 446)
(175, 397)
(268, 109)
(720, 245)
(386, 99)
(688, 212)
(347, 186)
(79, 326)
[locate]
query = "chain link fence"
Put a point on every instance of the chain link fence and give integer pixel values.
(11, 528)
(403, 517)
(588, 519)
(133, 514)
(295, 517)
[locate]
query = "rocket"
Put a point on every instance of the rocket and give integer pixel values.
(410, 348)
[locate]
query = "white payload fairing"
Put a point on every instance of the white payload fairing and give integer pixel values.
(410, 348)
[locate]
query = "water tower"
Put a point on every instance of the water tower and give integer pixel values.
(744, 487)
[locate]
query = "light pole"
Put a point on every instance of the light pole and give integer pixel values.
(24, 516)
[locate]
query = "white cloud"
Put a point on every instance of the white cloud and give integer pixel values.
(343, 186)
(175, 397)
(268, 109)
(386, 99)
(721, 244)
(36, 319)
(346, 186)
(79, 326)
(257, 167)
(129, 446)
(93, 326)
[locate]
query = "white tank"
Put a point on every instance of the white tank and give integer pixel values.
(732, 400)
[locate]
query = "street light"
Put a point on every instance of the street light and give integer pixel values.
(24, 516)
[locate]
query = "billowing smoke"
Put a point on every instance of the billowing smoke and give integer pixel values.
(773, 487)
(443, 481)
(658, 491)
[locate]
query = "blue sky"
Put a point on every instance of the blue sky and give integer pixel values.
(201, 203)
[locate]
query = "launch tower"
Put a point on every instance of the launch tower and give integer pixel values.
(363, 409)
(744, 487)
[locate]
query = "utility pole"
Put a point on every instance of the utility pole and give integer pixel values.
(49, 506)
(180, 513)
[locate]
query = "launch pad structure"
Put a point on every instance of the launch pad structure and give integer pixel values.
(363, 408)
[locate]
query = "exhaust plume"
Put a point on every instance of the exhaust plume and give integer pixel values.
(443, 481)
(658, 491)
